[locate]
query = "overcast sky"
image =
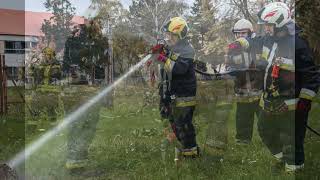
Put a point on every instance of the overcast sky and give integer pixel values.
(37, 5)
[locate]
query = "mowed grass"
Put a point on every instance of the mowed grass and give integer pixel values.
(127, 146)
(12, 125)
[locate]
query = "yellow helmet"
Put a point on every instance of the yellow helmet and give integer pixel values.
(177, 26)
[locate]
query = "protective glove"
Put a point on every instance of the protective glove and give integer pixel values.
(162, 58)
(235, 45)
(234, 48)
(244, 43)
(158, 49)
(304, 105)
(161, 52)
(166, 55)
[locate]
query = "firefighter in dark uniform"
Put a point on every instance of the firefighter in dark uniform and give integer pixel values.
(178, 89)
(248, 86)
(291, 81)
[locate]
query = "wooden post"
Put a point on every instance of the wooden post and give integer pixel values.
(3, 90)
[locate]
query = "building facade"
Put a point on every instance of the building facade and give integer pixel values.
(20, 34)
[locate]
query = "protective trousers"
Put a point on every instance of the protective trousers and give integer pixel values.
(181, 122)
(284, 133)
(81, 131)
(217, 132)
(215, 105)
(81, 134)
(245, 119)
(301, 122)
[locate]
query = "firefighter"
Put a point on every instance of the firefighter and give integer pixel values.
(291, 81)
(248, 86)
(51, 66)
(178, 89)
(82, 131)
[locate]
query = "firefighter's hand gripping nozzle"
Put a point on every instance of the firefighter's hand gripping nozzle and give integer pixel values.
(159, 50)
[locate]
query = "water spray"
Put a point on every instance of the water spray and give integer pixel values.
(33, 147)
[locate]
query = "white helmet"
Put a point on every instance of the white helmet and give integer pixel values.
(277, 13)
(242, 25)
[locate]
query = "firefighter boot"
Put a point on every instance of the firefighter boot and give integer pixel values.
(186, 153)
(76, 166)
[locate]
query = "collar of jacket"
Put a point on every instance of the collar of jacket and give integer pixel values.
(183, 48)
(292, 30)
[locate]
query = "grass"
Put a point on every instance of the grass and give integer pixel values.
(127, 146)
(12, 125)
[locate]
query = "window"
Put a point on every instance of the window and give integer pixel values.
(12, 73)
(28, 45)
(15, 47)
(34, 44)
(9, 45)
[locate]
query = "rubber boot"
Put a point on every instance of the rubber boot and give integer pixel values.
(76, 166)
(181, 154)
(191, 153)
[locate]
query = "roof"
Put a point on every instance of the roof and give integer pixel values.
(26, 23)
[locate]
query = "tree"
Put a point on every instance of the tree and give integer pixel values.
(127, 48)
(109, 10)
(86, 48)
(72, 46)
(246, 8)
(58, 27)
(147, 17)
(94, 45)
(306, 18)
(111, 13)
(211, 27)
(202, 18)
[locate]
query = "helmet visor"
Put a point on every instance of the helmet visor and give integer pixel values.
(165, 28)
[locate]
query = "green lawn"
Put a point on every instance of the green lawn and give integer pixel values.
(127, 146)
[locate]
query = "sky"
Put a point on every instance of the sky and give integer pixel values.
(37, 5)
